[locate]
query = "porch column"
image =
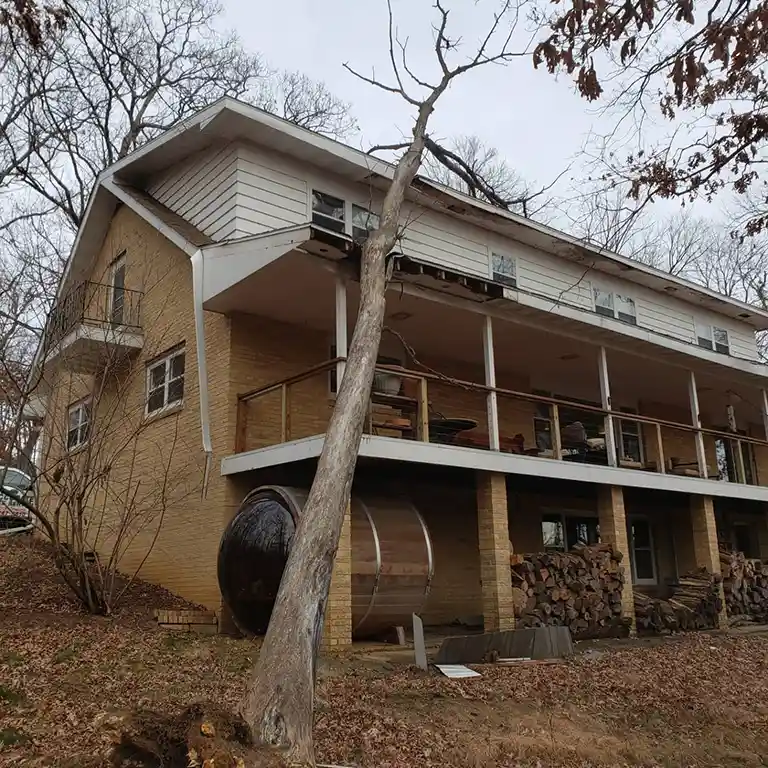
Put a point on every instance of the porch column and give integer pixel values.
(701, 456)
(605, 397)
(764, 403)
(613, 530)
(493, 536)
(705, 548)
(490, 381)
(337, 624)
(341, 327)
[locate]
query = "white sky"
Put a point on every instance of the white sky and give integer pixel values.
(539, 124)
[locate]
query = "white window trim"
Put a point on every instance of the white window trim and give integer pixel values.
(348, 205)
(80, 407)
(165, 361)
(492, 252)
(614, 302)
(709, 334)
(620, 433)
(116, 264)
(635, 580)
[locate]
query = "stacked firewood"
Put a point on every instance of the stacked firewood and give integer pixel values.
(745, 583)
(694, 604)
(580, 589)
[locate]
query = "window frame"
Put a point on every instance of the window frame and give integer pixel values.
(708, 337)
(118, 264)
(631, 520)
(80, 407)
(619, 428)
(165, 360)
(503, 278)
(326, 220)
(616, 299)
(561, 518)
(360, 234)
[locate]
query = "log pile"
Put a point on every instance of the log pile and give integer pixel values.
(694, 604)
(745, 583)
(580, 589)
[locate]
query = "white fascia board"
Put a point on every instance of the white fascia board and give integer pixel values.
(226, 264)
(417, 452)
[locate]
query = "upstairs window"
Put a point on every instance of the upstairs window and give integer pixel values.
(712, 337)
(165, 382)
(618, 305)
(504, 269)
(328, 211)
(79, 424)
(363, 222)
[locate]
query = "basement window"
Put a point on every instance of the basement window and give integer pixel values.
(363, 222)
(328, 211)
(504, 269)
(165, 382)
(78, 425)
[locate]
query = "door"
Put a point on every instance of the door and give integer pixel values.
(117, 297)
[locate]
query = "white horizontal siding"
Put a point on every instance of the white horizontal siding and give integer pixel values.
(203, 191)
(663, 318)
(743, 343)
(436, 239)
(556, 279)
(271, 193)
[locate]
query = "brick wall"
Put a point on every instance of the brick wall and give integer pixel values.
(162, 457)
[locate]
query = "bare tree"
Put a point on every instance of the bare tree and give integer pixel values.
(280, 697)
(699, 61)
(30, 22)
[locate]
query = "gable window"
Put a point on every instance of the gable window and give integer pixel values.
(713, 337)
(328, 211)
(618, 305)
(78, 424)
(165, 382)
(504, 269)
(117, 291)
(363, 222)
(641, 543)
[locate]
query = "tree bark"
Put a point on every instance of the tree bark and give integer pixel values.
(279, 702)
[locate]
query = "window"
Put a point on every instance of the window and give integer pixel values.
(641, 543)
(630, 442)
(79, 424)
(712, 337)
(363, 222)
(504, 269)
(562, 532)
(553, 533)
(328, 211)
(117, 295)
(617, 305)
(727, 461)
(165, 382)
(542, 425)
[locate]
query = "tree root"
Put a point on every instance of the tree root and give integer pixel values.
(201, 736)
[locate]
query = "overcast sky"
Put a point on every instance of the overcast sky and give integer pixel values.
(538, 123)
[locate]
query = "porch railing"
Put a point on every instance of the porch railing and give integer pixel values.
(300, 406)
(94, 304)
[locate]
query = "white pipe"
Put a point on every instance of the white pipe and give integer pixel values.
(198, 266)
(490, 381)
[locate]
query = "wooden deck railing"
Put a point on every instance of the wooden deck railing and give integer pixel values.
(421, 428)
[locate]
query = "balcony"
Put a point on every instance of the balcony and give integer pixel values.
(94, 325)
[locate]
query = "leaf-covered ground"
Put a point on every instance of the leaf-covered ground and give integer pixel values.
(66, 679)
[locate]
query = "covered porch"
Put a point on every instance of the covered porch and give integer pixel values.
(459, 370)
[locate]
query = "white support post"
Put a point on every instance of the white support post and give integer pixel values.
(701, 456)
(605, 397)
(490, 381)
(341, 328)
(764, 402)
(738, 455)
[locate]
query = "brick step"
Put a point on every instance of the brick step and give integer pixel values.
(202, 622)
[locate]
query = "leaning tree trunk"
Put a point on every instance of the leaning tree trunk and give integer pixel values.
(279, 703)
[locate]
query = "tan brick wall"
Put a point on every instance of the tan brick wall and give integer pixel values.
(184, 537)
(337, 627)
(493, 537)
(613, 529)
(705, 546)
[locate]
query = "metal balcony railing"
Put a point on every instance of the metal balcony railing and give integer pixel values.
(96, 304)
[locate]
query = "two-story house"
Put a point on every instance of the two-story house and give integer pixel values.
(534, 390)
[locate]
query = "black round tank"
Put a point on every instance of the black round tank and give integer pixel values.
(252, 555)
